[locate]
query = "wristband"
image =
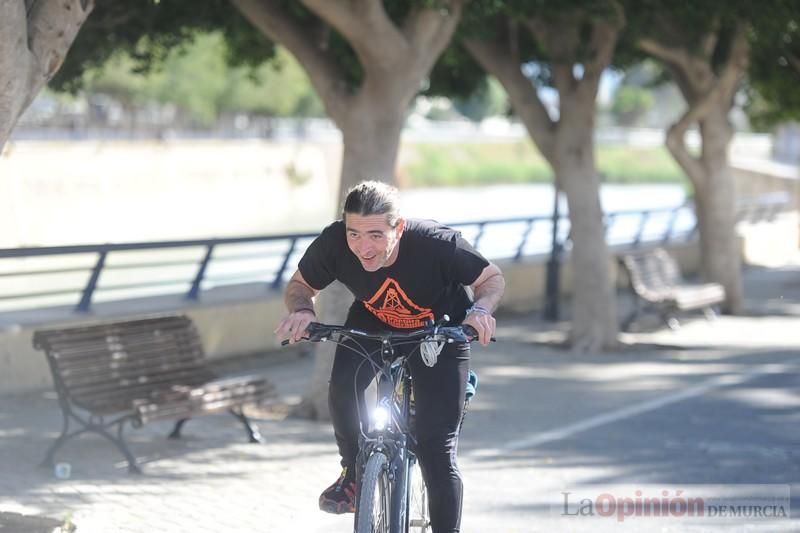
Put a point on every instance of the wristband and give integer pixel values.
(478, 309)
(305, 309)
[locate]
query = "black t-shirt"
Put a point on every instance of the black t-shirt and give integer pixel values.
(426, 281)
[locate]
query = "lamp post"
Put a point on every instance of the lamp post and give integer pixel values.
(553, 264)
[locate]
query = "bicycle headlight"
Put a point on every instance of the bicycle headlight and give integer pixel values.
(380, 417)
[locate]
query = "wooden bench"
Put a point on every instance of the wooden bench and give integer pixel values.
(656, 281)
(139, 371)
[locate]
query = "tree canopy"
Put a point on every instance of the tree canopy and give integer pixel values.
(197, 79)
(149, 30)
(774, 76)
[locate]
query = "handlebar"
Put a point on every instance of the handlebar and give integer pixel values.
(463, 333)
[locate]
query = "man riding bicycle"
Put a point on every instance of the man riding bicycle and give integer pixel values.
(403, 273)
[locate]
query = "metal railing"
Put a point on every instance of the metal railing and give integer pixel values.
(57, 275)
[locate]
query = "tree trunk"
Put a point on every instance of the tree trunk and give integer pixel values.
(716, 210)
(567, 145)
(594, 314)
(332, 304)
(34, 39)
(715, 196)
(709, 91)
(371, 134)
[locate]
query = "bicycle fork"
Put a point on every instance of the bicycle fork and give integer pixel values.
(390, 439)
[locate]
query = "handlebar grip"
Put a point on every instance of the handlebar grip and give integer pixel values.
(473, 333)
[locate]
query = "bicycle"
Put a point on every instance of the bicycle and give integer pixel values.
(391, 495)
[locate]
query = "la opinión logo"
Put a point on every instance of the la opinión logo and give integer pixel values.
(609, 505)
(670, 504)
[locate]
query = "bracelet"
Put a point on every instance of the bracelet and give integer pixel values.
(475, 308)
(305, 309)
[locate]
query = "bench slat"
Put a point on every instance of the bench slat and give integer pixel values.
(88, 348)
(209, 398)
(135, 389)
(98, 369)
(82, 347)
(196, 395)
(134, 329)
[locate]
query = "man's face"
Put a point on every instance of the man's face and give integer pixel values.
(373, 240)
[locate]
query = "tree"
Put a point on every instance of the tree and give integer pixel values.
(34, 39)
(565, 47)
(366, 59)
(774, 74)
(706, 48)
(393, 59)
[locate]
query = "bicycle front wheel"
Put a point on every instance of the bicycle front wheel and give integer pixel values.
(418, 519)
(372, 510)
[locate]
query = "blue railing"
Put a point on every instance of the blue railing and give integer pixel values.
(79, 276)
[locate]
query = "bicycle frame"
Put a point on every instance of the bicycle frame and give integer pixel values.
(392, 434)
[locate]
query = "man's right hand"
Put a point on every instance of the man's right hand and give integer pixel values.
(293, 327)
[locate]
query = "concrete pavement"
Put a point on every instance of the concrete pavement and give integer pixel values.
(713, 405)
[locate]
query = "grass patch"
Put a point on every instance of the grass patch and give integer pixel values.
(624, 164)
(473, 163)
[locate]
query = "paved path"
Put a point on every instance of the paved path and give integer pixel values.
(715, 404)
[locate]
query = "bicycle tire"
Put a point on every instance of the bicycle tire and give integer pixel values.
(419, 520)
(373, 508)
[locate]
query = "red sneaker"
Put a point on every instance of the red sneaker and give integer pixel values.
(340, 497)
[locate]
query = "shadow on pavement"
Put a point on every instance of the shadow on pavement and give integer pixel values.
(610, 418)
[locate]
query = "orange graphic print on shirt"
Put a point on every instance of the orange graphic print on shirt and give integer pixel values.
(391, 305)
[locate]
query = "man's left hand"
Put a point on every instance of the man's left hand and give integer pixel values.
(484, 323)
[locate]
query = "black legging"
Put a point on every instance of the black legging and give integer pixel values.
(439, 396)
